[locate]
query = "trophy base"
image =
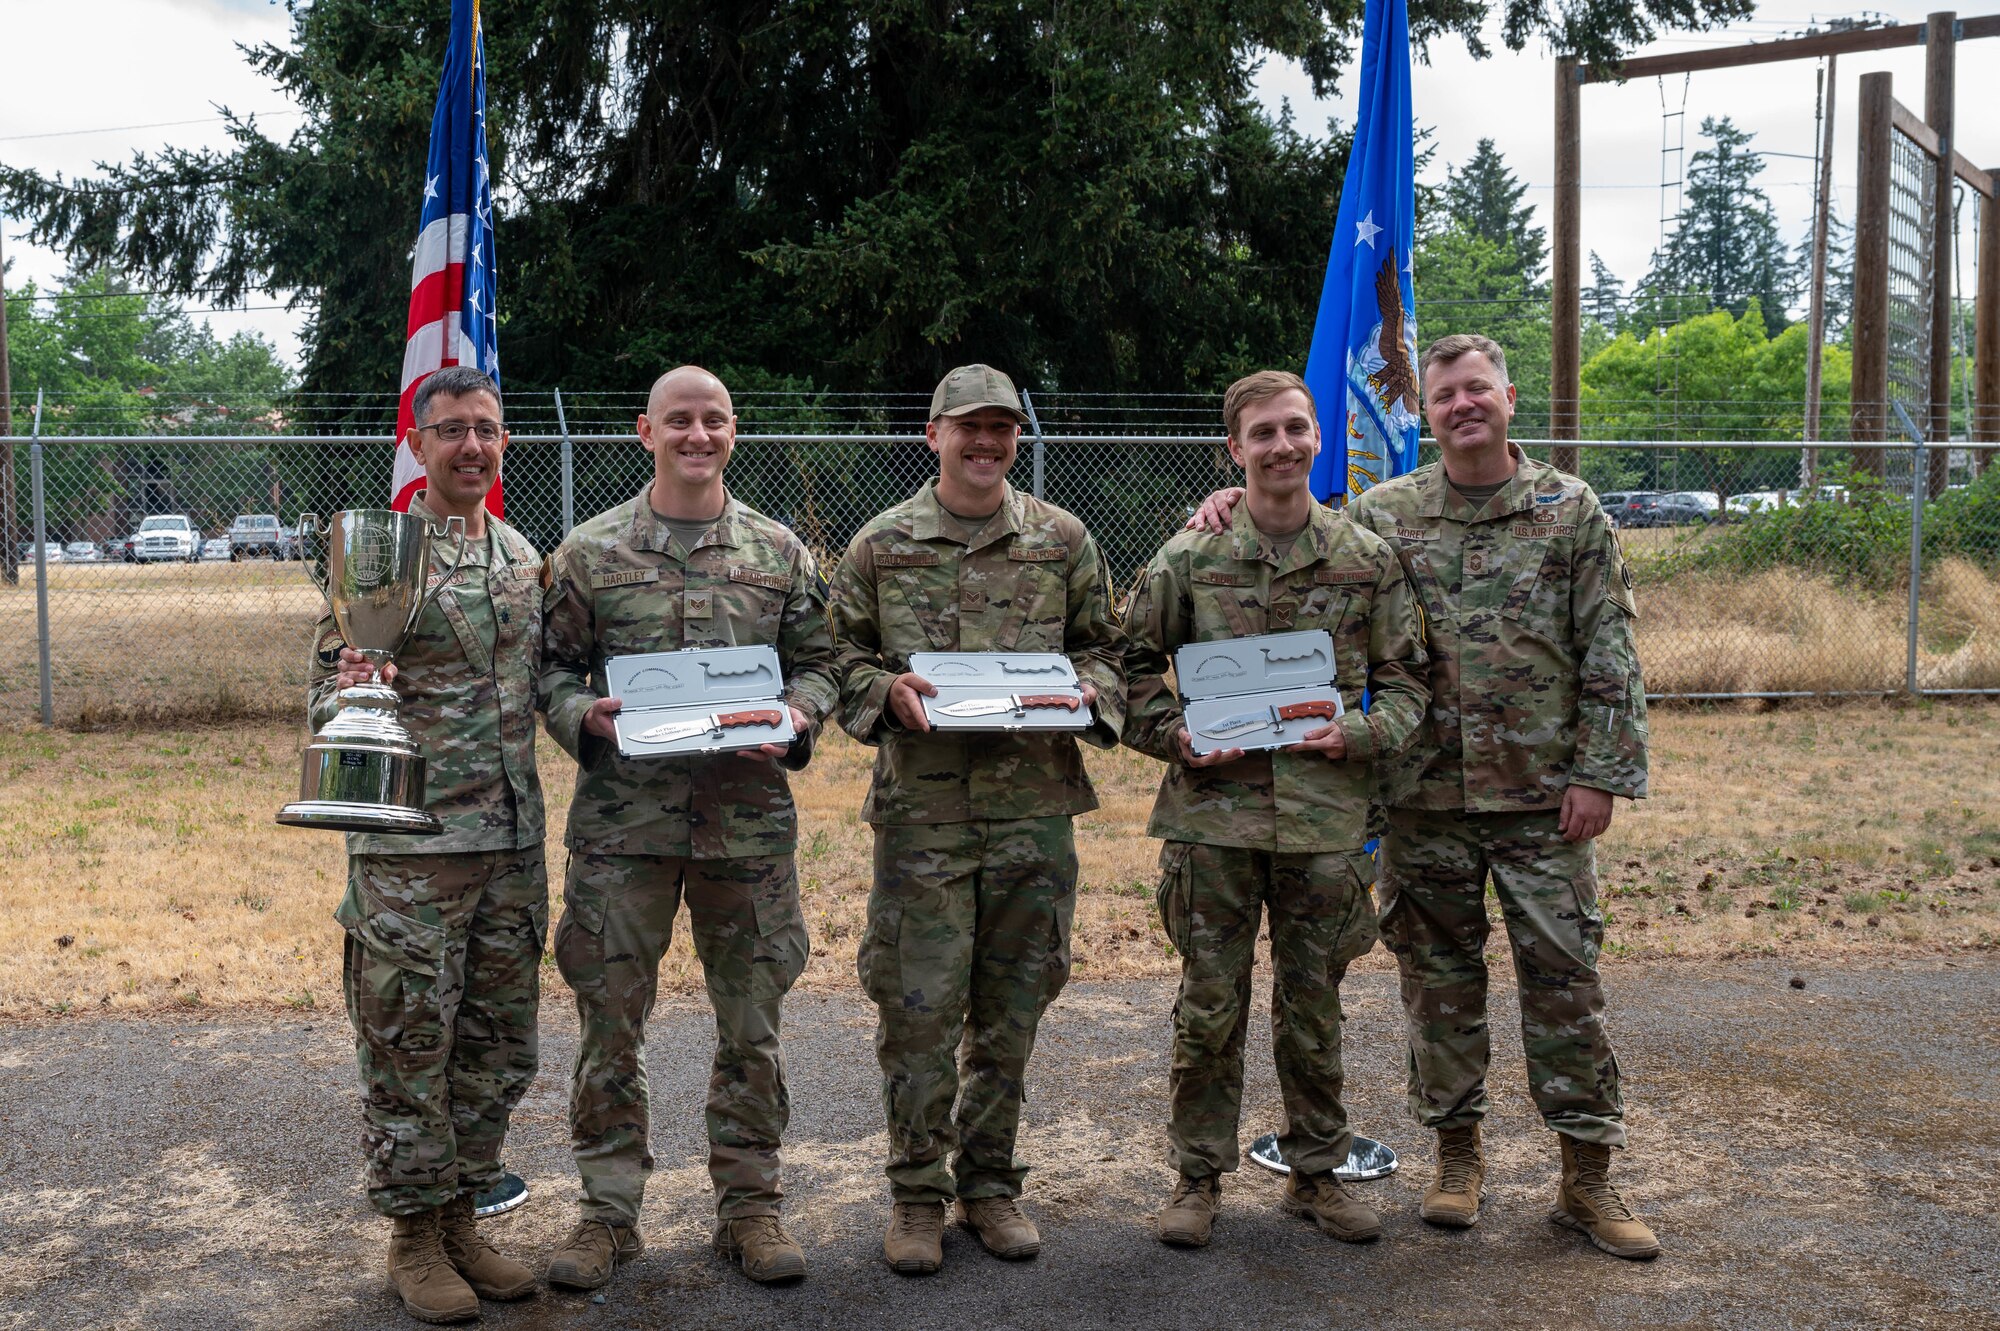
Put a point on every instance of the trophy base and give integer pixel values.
(346, 816)
(1367, 1159)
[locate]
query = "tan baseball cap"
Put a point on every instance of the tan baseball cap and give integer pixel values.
(970, 387)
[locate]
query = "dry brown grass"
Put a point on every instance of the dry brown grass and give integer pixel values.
(144, 869)
(1787, 631)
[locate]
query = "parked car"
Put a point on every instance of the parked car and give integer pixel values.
(1665, 510)
(81, 552)
(254, 534)
(216, 547)
(289, 545)
(166, 536)
(124, 548)
(24, 553)
(1617, 504)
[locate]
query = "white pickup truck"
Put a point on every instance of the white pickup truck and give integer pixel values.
(166, 536)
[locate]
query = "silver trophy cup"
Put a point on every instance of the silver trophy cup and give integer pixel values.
(364, 772)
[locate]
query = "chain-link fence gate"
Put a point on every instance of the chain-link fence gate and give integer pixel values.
(139, 604)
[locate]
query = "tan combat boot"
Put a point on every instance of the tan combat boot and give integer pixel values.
(914, 1245)
(1189, 1217)
(1591, 1206)
(1338, 1212)
(490, 1275)
(1452, 1200)
(431, 1290)
(1006, 1232)
(760, 1243)
(592, 1252)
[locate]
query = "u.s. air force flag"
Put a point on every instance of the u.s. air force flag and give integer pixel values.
(1363, 365)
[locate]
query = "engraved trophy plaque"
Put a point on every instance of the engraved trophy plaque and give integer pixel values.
(364, 772)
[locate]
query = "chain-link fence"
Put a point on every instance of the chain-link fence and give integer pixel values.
(174, 587)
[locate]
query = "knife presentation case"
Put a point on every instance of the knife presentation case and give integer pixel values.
(972, 676)
(1235, 678)
(659, 688)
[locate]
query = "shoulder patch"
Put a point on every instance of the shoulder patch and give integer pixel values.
(906, 559)
(327, 646)
(757, 577)
(1342, 577)
(1038, 554)
(622, 577)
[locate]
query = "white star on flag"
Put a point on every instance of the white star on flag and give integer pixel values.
(1366, 230)
(431, 187)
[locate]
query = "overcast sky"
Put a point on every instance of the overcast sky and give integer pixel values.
(153, 71)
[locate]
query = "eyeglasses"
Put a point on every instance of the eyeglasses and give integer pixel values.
(451, 432)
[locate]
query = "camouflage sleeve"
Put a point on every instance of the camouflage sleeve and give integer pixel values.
(1611, 721)
(321, 672)
(1398, 668)
(1155, 625)
(568, 632)
(854, 613)
(1095, 644)
(805, 641)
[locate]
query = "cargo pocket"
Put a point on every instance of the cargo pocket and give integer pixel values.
(782, 941)
(1175, 895)
(1055, 966)
(579, 940)
(394, 966)
(1360, 932)
(877, 960)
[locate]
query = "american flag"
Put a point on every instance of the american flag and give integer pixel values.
(451, 277)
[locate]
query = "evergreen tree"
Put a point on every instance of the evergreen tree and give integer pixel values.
(1725, 250)
(1603, 299)
(1484, 198)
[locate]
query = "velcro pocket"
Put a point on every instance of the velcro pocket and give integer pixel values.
(401, 940)
(1175, 893)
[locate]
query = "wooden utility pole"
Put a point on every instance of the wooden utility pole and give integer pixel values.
(1566, 270)
(10, 568)
(1986, 328)
(1816, 316)
(1940, 60)
(1868, 398)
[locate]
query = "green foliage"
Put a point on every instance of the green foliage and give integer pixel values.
(854, 193)
(1484, 198)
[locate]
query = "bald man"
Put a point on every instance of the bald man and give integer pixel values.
(682, 564)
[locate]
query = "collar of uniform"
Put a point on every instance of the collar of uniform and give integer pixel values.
(1248, 542)
(475, 551)
(649, 533)
(928, 522)
(1441, 501)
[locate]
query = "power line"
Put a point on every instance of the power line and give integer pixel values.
(119, 129)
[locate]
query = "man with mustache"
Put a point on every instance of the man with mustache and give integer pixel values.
(682, 564)
(967, 941)
(1281, 831)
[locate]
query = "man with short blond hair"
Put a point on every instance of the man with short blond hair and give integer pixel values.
(1275, 835)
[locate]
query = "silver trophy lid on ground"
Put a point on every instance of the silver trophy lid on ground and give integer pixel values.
(364, 772)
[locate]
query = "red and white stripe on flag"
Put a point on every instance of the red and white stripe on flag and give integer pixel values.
(434, 340)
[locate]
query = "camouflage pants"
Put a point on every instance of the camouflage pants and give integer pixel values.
(441, 972)
(1211, 899)
(618, 919)
(966, 946)
(1433, 886)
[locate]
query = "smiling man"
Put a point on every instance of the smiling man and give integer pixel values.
(1279, 832)
(444, 933)
(967, 941)
(682, 564)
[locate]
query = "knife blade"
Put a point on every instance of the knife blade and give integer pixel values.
(1274, 717)
(1013, 702)
(708, 725)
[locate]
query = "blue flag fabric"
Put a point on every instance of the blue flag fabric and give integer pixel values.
(1362, 368)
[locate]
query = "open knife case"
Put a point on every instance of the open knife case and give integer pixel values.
(1281, 682)
(1039, 690)
(739, 690)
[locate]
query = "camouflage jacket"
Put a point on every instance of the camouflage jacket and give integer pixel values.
(620, 584)
(1534, 676)
(1029, 580)
(1209, 587)
(466, 680)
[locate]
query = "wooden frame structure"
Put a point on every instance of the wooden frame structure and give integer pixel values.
(1939, 34)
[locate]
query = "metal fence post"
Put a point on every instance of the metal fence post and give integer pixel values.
(1919, 483)
(568, 469)
(41, 565)
(1041, 448)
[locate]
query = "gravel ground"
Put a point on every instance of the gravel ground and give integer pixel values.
(1812, 1158)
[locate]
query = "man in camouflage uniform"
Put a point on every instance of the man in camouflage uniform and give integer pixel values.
(1282, 830)
(683, 564)
(967, 940)
(444, 933)
(1538, 718)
